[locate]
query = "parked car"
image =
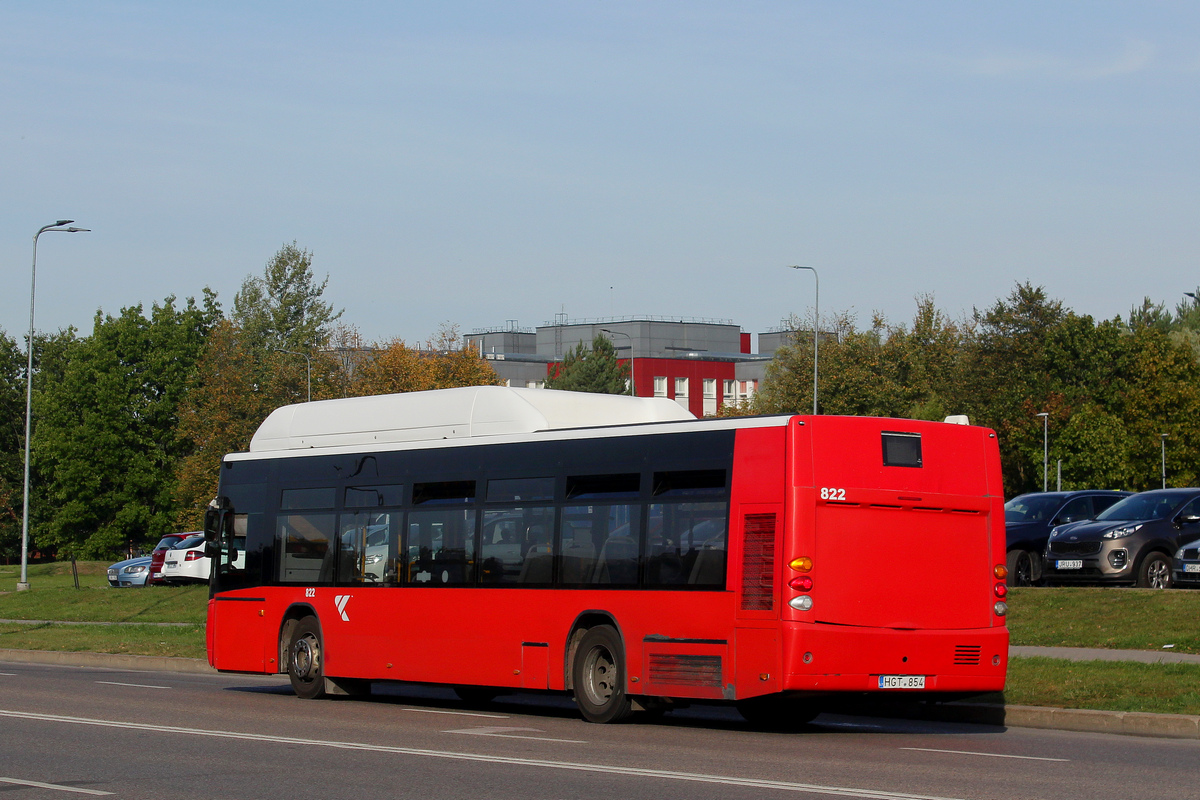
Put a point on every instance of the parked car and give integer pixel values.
(1131, 542)
(186, 562)
(1029, 518)
(130, 572)
(1187, 566)
(159, 554)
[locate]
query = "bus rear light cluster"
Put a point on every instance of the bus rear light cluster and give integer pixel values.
(801, 603)
(801, 564)
(801, 584)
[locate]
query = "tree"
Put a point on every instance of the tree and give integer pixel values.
(283, 308)
(12, 444)
(106, 446)
(595, 370)
(443, 364)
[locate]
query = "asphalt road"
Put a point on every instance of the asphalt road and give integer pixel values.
(86, 731)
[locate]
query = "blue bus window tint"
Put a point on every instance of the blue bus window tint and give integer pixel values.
(517, 490)
(444, 492)
(901, 449)
(686, 544)
(599, 545)
(441, 547)
(365, 555)
(323, 497)
(581, 487)
(374, 496)
(515, 545)
(305, 555)
(684, 483)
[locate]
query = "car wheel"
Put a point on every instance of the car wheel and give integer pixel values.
(305, 660)
(1020, 568)
(1155, 572)
(598, 676)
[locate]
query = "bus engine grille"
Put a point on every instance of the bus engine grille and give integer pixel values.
(758, 563)
(967, 654)
(685, 670)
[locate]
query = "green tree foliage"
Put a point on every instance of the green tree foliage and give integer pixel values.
(595, 370)
(106, 446)
(12, 444)
(1109, 388)
(282, 308)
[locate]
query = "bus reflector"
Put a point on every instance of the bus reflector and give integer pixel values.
(801, 564)
(802, 583)
(801, 603)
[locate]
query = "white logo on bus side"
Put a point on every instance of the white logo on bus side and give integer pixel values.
(832, 494)
(340, 601)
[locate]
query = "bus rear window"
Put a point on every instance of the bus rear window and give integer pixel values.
(901, 449)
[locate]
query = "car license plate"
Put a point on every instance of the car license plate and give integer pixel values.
(1191, 567)
(1074, 563)
(901, 681)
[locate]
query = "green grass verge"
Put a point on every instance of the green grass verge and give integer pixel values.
(1104, 685)
(140, 640)
(55, 575)
(1117, 618)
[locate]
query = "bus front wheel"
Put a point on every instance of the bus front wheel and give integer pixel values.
(598, 676)
(305, 657)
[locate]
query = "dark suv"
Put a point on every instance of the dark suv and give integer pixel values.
(1132, 542)
(1028, 519)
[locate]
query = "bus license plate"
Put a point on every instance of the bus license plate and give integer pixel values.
(901, 681)
(1191, 567)
(1074, 563)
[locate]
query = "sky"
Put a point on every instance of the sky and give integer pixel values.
(481, 162)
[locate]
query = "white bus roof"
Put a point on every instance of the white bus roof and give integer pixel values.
(463, 413)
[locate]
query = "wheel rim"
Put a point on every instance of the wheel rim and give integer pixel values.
(1158, 574)
(600, 671)
(1024, 570)
(306, 657)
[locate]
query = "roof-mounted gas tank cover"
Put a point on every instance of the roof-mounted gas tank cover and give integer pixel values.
(465, 412)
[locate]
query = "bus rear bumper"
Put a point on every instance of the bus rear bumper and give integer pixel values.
(827, 658)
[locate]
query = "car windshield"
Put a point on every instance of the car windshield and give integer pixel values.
(1031, 507)
(1150, 505)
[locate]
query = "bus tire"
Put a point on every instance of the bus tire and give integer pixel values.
(598, 675)
(305, 660)
(775, 713)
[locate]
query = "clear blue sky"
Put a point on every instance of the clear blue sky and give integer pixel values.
(481, 162)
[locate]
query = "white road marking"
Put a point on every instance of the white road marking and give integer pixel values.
(603, 769)
(134, 685)
(514, 733)
(456, 713)
(9, 674)
(993, 755)
(39, 785)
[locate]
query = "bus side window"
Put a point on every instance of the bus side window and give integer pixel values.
(364, 552)
(441, 547)
(687, 545)
(305, 552)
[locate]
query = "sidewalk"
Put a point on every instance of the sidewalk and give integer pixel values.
(1128, 723)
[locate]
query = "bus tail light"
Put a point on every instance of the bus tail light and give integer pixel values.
(1000, 571)
(801, 564)
(1001, 608)
(1001, 591)
(801, 603)
(802, 583)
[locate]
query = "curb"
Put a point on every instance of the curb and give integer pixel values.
(1124, 723)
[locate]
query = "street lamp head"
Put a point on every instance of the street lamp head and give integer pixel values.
(1192, 295)
(63, 222)
(1043, 414)
(78, 230)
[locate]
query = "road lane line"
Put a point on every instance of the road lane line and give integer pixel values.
(39, 785)
(514, 733)
(992, 755)
(134, 685)
(9, 674)
(456, 713)
(603, 769)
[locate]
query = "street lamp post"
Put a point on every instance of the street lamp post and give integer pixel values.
(23, 584)
(307, 362)
(632, 374)
(1163, 438)
(816, 328)
(1045, 450)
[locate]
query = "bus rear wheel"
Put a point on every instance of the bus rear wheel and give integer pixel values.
(305, 660)
(598, 676)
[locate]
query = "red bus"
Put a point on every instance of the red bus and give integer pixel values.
(494, 539)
